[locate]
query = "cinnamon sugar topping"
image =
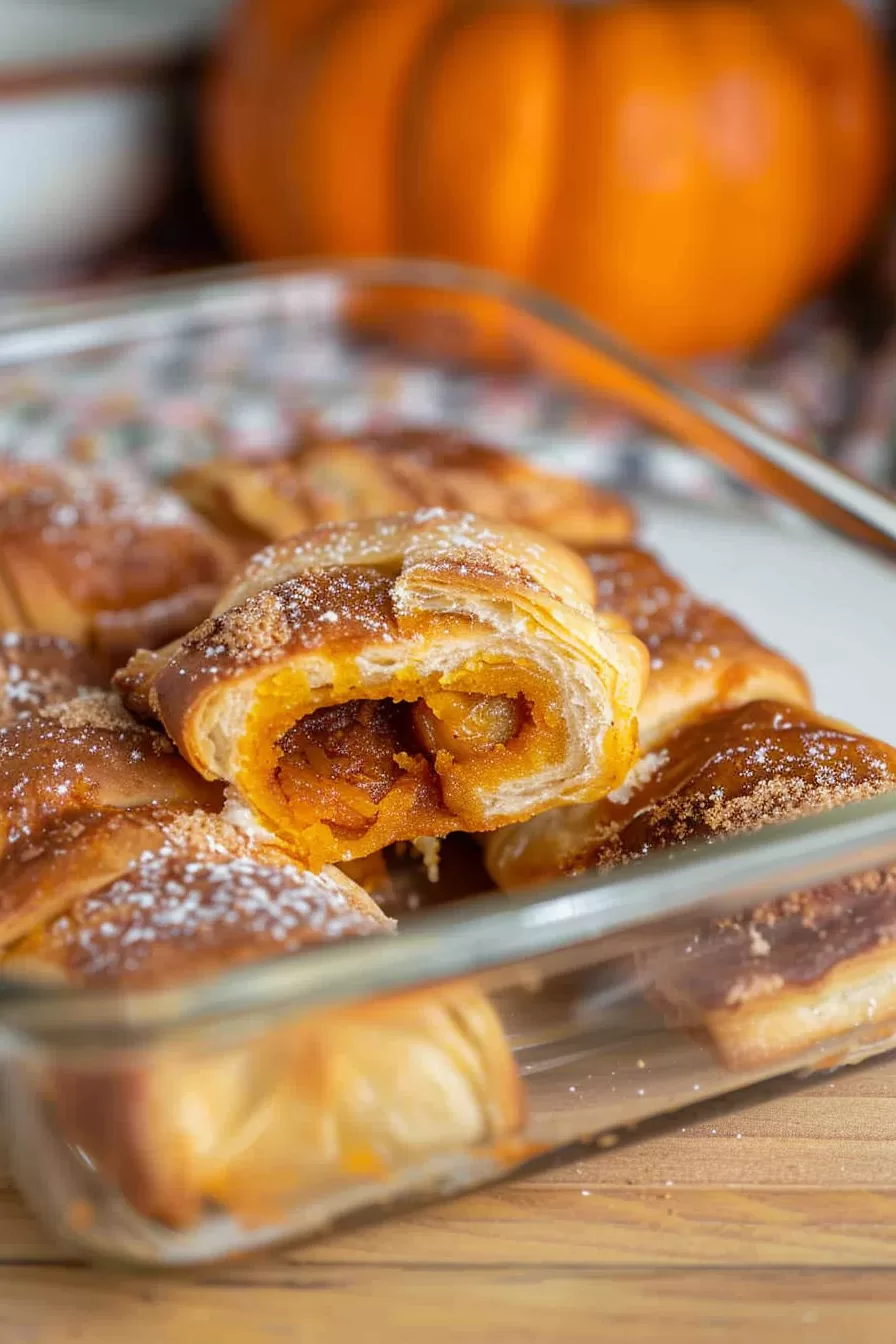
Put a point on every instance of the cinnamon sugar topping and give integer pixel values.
(171, 915)
(314, 609)
(740, 770)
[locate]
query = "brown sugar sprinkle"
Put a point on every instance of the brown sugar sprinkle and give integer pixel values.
(312, 610)
(740, 770)
(174, 915)
(95, 709)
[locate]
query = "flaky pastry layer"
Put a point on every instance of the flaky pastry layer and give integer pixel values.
(784, 977)
(341, 1100)
(72, 761)
(788, 976)
(154, 895)
(734, 771)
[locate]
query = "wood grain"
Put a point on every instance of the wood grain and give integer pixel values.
(779, 1219)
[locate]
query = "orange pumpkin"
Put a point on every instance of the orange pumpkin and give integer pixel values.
(686, 171)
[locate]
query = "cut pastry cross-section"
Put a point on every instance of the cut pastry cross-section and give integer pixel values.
(304, 1110)
(337, 480)
(701, 659)
(103, 558)
(372, 682)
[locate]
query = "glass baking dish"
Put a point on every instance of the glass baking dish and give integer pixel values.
(178, 1126)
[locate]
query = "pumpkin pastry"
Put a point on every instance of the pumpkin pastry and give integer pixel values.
(398, 679)
(76, 761)
(338, 480)
(103, 558)
(306, 1110)
(98, 926)
(733, 771)
(701, 659)
(786, 976)
(37, 671)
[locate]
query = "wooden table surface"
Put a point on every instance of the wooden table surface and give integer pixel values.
(777, 1222)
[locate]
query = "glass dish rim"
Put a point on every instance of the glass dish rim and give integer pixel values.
(494, 931)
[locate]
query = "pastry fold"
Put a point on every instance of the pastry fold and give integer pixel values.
(373, 682)
(303, 1110)
(103, 558)
(701, 659)
(338, 480)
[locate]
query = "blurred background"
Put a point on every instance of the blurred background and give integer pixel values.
(711, 179)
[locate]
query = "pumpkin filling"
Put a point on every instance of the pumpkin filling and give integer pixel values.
(338, 764)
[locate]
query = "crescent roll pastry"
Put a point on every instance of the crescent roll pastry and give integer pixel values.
(345, 1100)
(103, 558)
(37, 671)
(373, 682)
(781, 978)
(788, 976)
(305, 1109)
(72, 762)
(701, 659)
(338, 480)
(734, 771)
(154, 895)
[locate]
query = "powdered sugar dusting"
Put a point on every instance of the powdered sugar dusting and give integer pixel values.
(109, 540)
(37, 671)
(173, 914)
(84, 753)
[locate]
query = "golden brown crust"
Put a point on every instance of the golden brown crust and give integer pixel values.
(522, 696)
(70, 761)
(153, 895)
(734, 771)
(336, 480)
(782, 1021)
(103, 558)
(788, 944)
(335, 1100)
(785, 976)
(701, 659)
(37, 671)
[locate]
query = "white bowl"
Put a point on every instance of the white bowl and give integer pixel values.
(85, 118)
